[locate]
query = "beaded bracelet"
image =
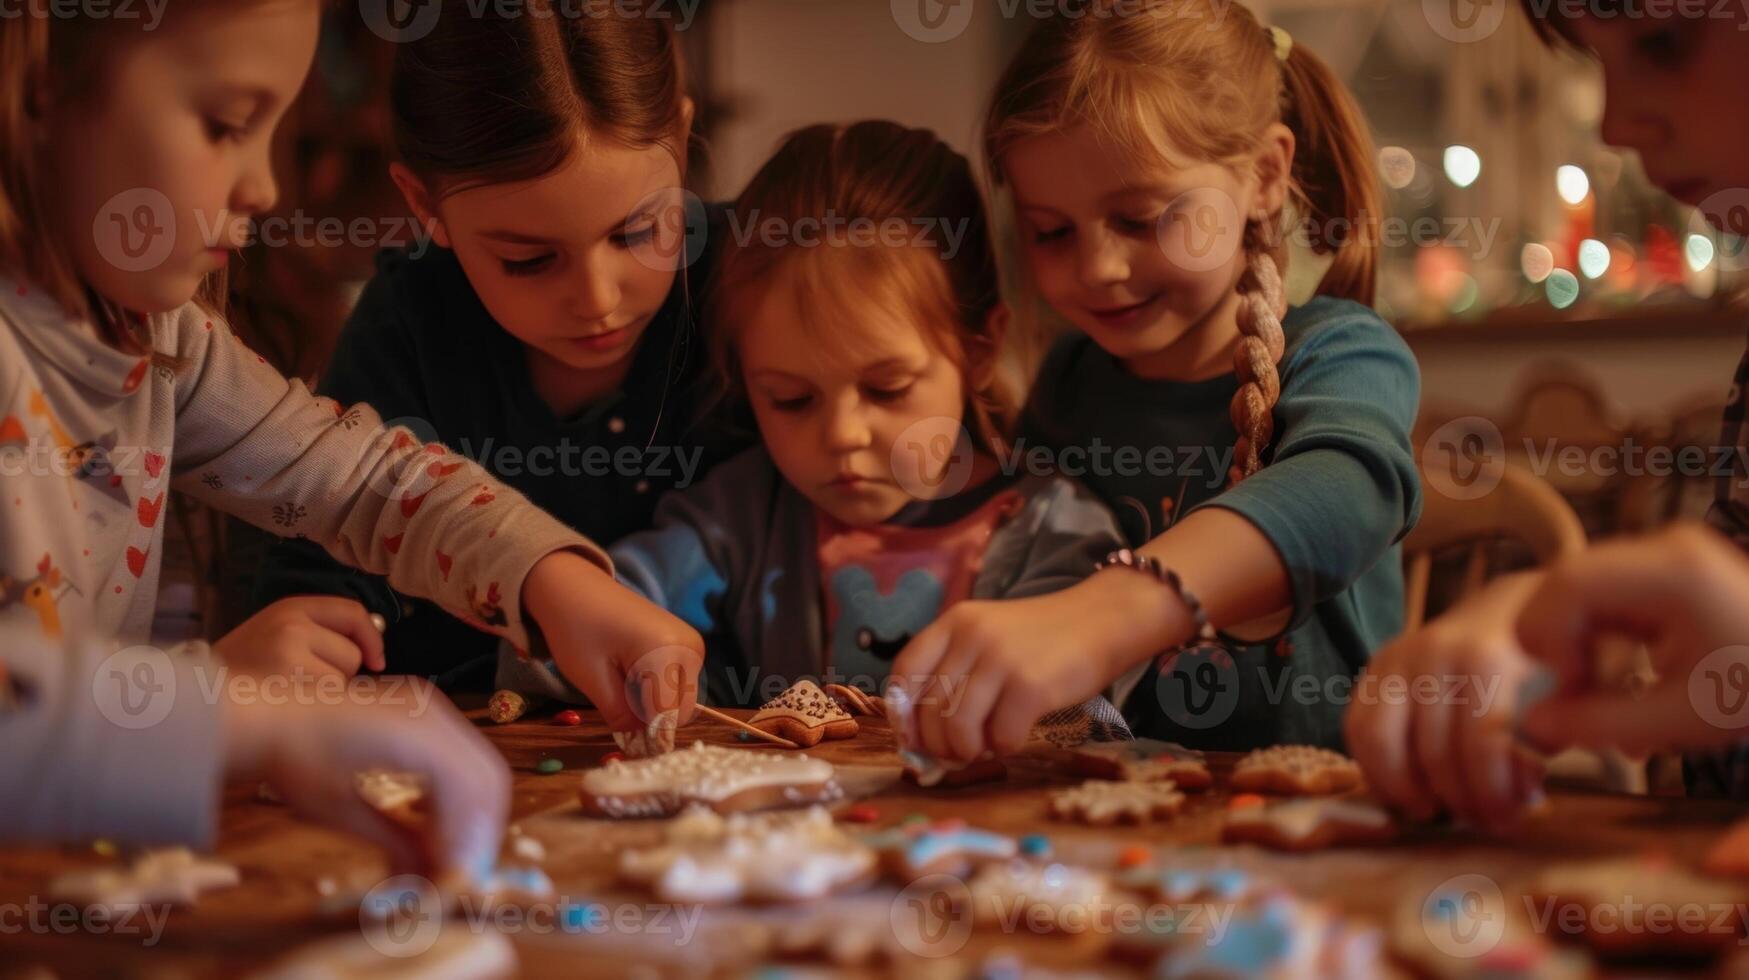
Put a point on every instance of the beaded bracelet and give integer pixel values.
(1205, 631)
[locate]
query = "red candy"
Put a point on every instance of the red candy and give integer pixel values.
(863, 813)
(1244, 800)
(1134, 857)
(612, 757)
(568, 717)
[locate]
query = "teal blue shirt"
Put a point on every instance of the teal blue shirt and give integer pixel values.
(1338, 492)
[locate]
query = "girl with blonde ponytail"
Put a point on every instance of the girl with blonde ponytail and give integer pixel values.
(1164, 162)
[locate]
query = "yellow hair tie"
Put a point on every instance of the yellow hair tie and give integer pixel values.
(1284, 43)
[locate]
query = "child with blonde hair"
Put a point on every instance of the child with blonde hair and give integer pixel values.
(1161, 158)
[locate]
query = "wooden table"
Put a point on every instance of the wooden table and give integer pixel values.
(282, 860)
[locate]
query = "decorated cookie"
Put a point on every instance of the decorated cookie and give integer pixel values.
(857, 701)
(917, 850)
(170, 876)
(1295, 770)
(451, 954)
(837, 940)
(1309, 825)
(505, 707)
(805, 715)
(656, 739)
(1681, 914)
(1279, 937)
(707, 857)
(1465, 927)
(1143, 759)
(725, 780)
(1182, 885)
(1039, 897)
(1102, 802)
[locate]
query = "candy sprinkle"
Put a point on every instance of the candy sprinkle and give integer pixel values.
(1134, 856)
(1244, 801)
(569, 718)
(549, 765)
(862, 813)
(104, 846)
(1035, 845)
(612, 757)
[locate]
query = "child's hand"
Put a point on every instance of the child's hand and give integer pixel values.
(630, 656)
(317, 634)
(985, 672)
(1685, 593)
(310, 752)
(1431, 722)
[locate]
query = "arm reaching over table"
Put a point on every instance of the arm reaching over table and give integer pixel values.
(134, 744)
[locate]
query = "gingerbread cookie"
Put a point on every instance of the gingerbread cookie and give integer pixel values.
(725, 780)
(805, 715)
(1103, 802)
(1465, 927)
(656, 739)
(1180, 885)
(1143, 759)
(857, 701)
(1295, 770)
(1038, 897)
(918, 850)
(451, 954)
(1309, 825)
(707, 857)
(169, 876)
(1280, 936)
(1680, 911)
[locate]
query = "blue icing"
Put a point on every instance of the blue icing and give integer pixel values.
(576, 918)
(928, 846)
(1251, 946)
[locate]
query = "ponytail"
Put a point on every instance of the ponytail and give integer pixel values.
(1334, 174)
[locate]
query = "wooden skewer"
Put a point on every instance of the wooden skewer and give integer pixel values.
(738, 723)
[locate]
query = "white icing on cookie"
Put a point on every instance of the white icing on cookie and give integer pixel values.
(1300, 819)
(1000, 891)
(705, 773)
(1145, 758)
(1296, 760)
(761, 857)
(1104, 801)
(174, 875)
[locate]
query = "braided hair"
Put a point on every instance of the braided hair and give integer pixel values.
(1262, 304)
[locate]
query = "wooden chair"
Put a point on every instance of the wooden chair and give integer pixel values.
(1522, 507)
